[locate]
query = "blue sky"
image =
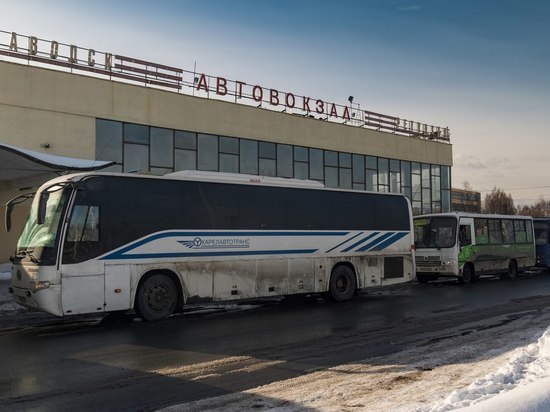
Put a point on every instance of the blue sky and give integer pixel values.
(479, 67)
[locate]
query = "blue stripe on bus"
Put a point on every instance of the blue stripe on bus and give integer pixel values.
(157, 236)
(120, 255)
(345, 241)
(361, 241)
(389, 241)
(375, 242)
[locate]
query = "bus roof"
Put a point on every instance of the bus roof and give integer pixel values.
(215, 177)
(473, 215)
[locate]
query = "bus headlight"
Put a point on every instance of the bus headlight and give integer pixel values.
(36, 285)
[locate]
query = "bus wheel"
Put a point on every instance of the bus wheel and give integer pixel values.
(512, 270)
(342, 283)
(468, 274)
(157, 298)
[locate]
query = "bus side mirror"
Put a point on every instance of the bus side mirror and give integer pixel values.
(9, 209)
(43, 202)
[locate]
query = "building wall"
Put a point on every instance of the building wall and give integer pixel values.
(40, 105)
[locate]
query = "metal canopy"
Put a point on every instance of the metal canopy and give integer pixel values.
(18, 163)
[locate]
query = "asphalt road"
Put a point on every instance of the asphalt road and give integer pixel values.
(120, 364)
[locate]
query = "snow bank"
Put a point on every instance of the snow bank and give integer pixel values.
(522, 384)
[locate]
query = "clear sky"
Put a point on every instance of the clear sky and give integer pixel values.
(480, 67)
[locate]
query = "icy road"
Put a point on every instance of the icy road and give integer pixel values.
(434, 347)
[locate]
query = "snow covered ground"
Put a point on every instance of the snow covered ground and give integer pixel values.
(501, 366)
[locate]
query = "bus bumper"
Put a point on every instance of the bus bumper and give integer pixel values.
(44, 300)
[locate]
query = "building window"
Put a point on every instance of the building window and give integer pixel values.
(284, 160)
(268, 159)
(149, 149)
(248, 161)
(229, 154)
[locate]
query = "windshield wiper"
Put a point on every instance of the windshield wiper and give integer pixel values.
(26, 253)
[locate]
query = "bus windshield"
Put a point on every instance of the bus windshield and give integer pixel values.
(434, 232)
(37, 237)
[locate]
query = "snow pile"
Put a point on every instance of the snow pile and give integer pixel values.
(7, 305)
(523, 384)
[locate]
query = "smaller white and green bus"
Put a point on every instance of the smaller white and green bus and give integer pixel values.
(466, 246)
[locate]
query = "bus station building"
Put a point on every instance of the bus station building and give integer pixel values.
(64, 109)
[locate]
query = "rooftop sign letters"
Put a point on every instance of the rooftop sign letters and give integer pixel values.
(115, 66)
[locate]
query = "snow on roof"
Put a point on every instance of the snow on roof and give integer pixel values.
(16, 162)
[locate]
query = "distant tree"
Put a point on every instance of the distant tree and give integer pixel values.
(540, 209)
(467, 186)
(499, 202)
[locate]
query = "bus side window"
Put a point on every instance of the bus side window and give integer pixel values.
(84, 225)
(465, 235)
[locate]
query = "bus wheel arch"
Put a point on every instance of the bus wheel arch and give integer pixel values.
(343, 282)
(158, 295)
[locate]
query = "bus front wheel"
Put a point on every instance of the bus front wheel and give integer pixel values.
(343, 284)
(468, 274)
(157, 298)
(512, 270)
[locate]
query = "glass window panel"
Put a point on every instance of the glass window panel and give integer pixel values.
(445, 201)
(185, 159)
(407, 192)
(162, 147)
(268, 167)
(436, 207)
(383, 166)
(267, 150)
(136, 133)
(436, 170)
(316, 164)
(394, 165)
(371, 162)
(425, 175)
(185, 140)
(300, 154)
(358, 186)
(415, 168)
(136, 158)
(284, 160)
(436, 191)
(416, 187)
(372, 180)
(229, 163)
(426, 199)
(229, 145)
(445, 177)
(248, 161)
(331, 158)
(207, 152)
(417, 208)
(300, 170)
(345, 178)
(344, 160)
(108, 143)
(331, 176)
(383, 188)
(358, 168)
(395, 184)
(405, 174)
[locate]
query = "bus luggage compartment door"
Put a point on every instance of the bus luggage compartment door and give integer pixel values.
(117, 287)
(82, 294)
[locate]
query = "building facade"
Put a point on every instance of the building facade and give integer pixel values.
(465, 201)
(145, 124)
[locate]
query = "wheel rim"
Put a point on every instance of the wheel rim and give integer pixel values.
(342, 284)
(157, 298)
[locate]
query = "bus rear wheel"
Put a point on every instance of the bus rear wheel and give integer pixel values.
(512, 270)
(343, 284)
(156, 298)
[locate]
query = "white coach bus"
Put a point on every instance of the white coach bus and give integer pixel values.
(104, 242)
